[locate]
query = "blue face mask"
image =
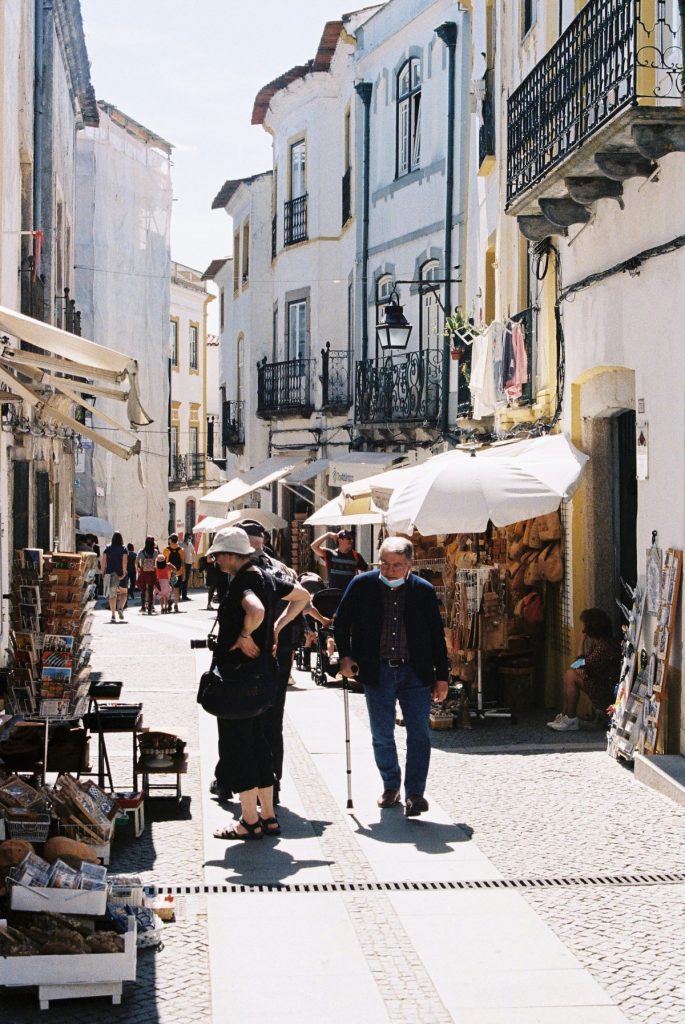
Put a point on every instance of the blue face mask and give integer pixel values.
(393, 584)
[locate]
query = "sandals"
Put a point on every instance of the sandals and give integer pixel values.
(270, 826)
(253, 831)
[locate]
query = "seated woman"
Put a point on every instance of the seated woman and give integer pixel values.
(595, 672)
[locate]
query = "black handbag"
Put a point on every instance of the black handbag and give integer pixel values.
(239, 688)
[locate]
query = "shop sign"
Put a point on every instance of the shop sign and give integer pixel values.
(642, 450)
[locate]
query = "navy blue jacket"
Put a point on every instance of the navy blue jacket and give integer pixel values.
(359, 621)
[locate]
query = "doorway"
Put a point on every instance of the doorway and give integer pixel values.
(625, 500)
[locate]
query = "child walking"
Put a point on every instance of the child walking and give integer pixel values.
(163, 572)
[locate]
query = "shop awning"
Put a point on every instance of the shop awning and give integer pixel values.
(47, 383)
(308, 471)
(254, 479)
(351, 466)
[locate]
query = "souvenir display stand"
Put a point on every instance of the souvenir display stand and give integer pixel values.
(638, 721)
(52, 598)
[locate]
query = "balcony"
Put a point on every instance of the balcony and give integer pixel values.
(336, 389)
(284, 389)
(601, 106)
(295, 220)
(187, 470)
(346, 196)
(399, 388)
(233, 424)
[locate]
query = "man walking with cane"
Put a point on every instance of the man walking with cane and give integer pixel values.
(388, 630)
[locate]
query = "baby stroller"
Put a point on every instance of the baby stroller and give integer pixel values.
(326, 602)
(312, 583)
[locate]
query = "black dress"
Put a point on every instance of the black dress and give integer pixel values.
(245, 760)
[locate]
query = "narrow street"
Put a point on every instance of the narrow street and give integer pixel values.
(362, 915)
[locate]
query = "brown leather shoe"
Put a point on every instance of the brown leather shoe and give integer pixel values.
(414, 806)
(389, 798)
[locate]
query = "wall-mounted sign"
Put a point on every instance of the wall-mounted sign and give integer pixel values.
(642, 450)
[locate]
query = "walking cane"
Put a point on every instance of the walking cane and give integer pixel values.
(348, 755)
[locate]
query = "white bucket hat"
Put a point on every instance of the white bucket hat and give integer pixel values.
(232, 541)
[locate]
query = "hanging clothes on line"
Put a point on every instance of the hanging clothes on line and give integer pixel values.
(482, 381)
(514, 361)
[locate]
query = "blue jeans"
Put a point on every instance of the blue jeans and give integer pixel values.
(403, 685)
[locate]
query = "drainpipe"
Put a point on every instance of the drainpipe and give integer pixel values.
(364, 91)
(448, 33)
(37, 119)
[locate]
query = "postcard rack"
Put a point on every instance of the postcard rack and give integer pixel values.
(50, 618)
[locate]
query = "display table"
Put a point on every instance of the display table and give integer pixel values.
(174, 766)
(105, 717)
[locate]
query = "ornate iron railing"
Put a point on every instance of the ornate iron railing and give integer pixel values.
(295, 220)
(399, 388)
(486, 134)
(613, 54)
(336, 388)
(274, 236)
(186, 470)
(233, 424)
(284, 387)
(346, 196)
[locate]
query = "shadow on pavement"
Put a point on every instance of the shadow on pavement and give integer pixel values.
(262, 863)
(426, 836)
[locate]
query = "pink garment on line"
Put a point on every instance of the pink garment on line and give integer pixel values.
(518, 368)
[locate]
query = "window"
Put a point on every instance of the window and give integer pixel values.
(240, 368)
(192, 344)
(246, 252)
(529, 14)
(430, 324)
(191, 517)
(297, 330)
(171, 525)
(193, 432)
(173, 444)
(222, 308)
(236, 262)
(409, 117)
(297, 170)
(173, 342)
(383, 289)
(347, 170)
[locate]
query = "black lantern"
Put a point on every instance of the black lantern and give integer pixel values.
(394, 331)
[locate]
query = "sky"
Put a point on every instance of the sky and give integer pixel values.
(189, 70)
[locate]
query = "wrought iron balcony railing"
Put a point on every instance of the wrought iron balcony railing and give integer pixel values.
(399, 388)
(233, 424)
(346, 196)
(274, 236)
(336, 387)
(615, 54)
(186, 470)
(486, 134)
(284, 388)
(295, 220)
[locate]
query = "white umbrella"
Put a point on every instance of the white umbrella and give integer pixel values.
(210, 524)
(344, 511)
(459, 491)
(269, 520)
(93, 524)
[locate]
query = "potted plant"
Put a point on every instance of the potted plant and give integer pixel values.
(461, 330)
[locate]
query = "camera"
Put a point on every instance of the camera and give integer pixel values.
(198, 645)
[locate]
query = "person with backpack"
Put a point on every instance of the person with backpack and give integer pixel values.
(175, 556)
(342, 562)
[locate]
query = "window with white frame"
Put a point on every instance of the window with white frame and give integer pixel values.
(530, 14)
(193, 432)
(173, 443)
(297, 329)
(409, 117)
(383, 290)
(297, 170)
(430, 324)
(240, 368)
(192, 345)
(173, 342)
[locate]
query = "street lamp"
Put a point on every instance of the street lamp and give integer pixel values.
(394, 330)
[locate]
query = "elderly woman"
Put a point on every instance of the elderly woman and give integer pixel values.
(595, 672)
(246, 624)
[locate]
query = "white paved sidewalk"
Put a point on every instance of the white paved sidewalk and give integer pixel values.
(433, 955)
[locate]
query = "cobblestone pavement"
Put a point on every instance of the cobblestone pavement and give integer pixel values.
(538, 806)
